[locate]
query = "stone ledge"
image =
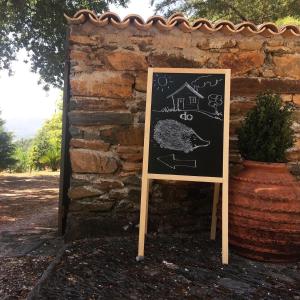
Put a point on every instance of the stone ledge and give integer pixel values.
(241, 62)
(91, 161)
(97, 104)
(99, 118)
(79, 192)
(110, 84)
(89, 144)
(249, 86)
(99, 181)
(127, 60)
(124, 136)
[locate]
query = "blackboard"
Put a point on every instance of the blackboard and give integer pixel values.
(187, 122)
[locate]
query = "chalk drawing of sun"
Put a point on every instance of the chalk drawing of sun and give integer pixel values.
(162, 82)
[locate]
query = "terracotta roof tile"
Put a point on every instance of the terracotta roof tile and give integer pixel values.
(178, 20)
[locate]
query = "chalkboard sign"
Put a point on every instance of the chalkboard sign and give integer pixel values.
(186, 120)
(187, 135)
(186, 129)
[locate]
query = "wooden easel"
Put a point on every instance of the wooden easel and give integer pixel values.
(147, 177)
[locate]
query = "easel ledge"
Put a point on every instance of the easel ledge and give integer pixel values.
(184, 178)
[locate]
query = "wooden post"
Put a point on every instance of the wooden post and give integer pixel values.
(65, 164)
(143, 216)
(145, 178)
(214, 217)
(225, 223)
(225, 171)
(149, 189)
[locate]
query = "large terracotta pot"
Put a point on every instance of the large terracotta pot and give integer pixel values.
(264, 212)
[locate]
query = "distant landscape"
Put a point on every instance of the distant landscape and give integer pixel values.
(31, 143)
(23, 128)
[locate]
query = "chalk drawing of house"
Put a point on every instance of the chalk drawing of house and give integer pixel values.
(186, 98)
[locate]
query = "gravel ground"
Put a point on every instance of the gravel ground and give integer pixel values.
(18, 275)
(175, 267)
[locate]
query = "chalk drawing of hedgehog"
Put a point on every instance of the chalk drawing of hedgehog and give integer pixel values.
(174, 135)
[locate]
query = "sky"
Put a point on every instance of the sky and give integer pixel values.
(24, 105)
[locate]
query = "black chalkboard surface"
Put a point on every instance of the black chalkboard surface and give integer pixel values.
(186, 123)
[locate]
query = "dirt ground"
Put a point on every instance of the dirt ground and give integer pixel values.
(28, 230)
(21, 195)
(175, 267)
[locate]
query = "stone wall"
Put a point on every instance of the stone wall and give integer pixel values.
(108, 71)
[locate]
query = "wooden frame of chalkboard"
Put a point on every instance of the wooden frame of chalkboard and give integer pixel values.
(186, 121)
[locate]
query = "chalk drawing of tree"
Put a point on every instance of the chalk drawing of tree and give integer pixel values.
(214, 101)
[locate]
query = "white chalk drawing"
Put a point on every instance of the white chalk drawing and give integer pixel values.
(214, 101)
(204, 81)
(187, 99)
(162, 82)
(187, 117)
(172, 162)
(166, 109)
(173, 135)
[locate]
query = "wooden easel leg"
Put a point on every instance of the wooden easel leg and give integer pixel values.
(149, 189)
(143, 217)
(213, 226)
(225, 223)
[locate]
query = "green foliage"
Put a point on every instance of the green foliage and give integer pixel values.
(266, 133)
(52, 157)
(256, 11)
(39, 27)
(21, 155)
(7, 148)
(288, 21)
(46, 146)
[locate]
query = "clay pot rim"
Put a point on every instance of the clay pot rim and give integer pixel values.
(262, 164)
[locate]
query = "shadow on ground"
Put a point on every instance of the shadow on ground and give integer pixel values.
(25, 199)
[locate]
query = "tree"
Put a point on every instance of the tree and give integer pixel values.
(46, 147)
(7, 148)
(21, 155)
(39, 27)
(288, 21)
(214, 101)
(256, 11)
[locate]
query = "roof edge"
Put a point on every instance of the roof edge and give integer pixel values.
(178, 20)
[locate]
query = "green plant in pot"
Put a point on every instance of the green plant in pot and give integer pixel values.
(266, 133)
(264, 197)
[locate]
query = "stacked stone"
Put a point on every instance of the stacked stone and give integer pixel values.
(108, 78)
